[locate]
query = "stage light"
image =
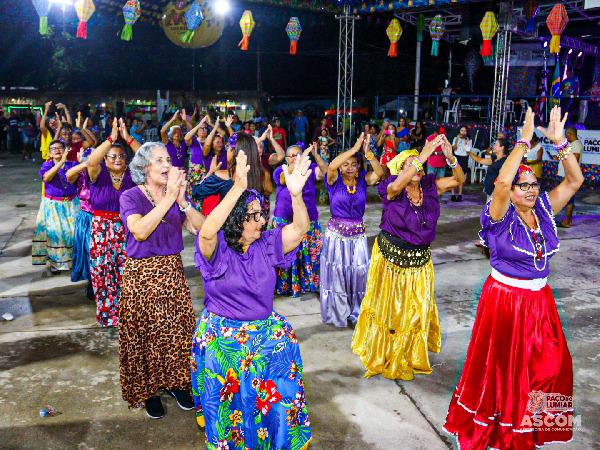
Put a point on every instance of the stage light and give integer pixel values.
(580, 54)
(570, 51)
(222, 7)
(545, 44)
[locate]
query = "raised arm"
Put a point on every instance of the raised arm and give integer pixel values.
(186, 120)
(97, 156)
(90, 138)
(377, 173)
(279, 155)
(322, 165)
(332, 170)
(209, 139)
(228, 123)
(207, 238)
(73, 172)
(480, 160)
(444, 184)
(51, 173)
(67, 113)
(131, 142)
(164, 136)
(43, 128)
(58, 127)
(503, 184)
(190, 134)
(293, 233)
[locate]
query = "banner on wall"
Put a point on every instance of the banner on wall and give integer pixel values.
(591, 146)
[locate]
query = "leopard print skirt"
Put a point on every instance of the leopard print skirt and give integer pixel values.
(156, 325)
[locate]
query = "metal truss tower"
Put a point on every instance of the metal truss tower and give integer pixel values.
(345, 97)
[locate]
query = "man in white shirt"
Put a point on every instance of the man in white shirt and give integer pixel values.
(577, 149)
(461, 145)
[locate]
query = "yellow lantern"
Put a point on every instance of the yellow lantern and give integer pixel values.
(489, 27)
(394, 31)
(247, 24)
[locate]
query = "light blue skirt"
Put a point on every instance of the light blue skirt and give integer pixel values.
(81, 247)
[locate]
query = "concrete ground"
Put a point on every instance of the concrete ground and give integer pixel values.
(53, 352)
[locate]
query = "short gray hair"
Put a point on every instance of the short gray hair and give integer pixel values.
(141, 159)
(287, 152)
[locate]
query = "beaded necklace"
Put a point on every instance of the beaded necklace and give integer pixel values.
(163, 220)
(417, 206)
(352, 188)
(537, 241)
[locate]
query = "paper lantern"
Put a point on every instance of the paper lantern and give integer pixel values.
(420, 27)
(131, 13)
(557, 21)
(437, 30)
(193, 20)
(394, 31)
(84, 9)
(489, 27)
(43, 8)
(531, 9)
(293, 30)
(247, 24)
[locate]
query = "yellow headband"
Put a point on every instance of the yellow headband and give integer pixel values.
(396, 164)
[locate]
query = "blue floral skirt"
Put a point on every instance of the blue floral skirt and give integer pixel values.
(81, 246)
(247, 384)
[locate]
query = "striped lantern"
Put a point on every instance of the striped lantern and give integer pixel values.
(247, 25)
(293, 30)
(557, 21)
(489, 27)
(437, 30)
(394, 31)
(85, 10)
(131, 13)
(43, 8)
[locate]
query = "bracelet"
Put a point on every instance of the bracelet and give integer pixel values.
(564, 152)
(110, 139)
(130, 142)
(188, 206)
(523, 142)
(564, 144)
(369, 155)
(452, 166)
(417, 165)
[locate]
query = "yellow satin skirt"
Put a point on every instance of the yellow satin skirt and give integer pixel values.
(398, 322)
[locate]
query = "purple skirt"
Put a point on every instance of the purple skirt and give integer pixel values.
(344, 268)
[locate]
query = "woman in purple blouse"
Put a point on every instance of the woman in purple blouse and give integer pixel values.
(54, 226)
(109, 178)
(156, 319)
(345, 254)
(198, 166)
(246, 364)
(518, 358)
(172, 137)
(398, 321)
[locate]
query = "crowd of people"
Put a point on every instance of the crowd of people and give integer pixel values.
(113, 212)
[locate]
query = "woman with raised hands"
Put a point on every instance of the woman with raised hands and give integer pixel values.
(518, 351)
(156, 318)
(345, 253)
(197, 164)
(246, 364)
(398, 322)
(109, 178)
(172, 136)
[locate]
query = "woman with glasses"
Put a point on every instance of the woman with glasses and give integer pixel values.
(54, 227)
(304, 275)
(156, 318)
(109, 178)
(197, 165)
(246, 363)
(518, 351)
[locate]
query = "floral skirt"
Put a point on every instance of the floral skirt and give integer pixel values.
(53, 236)
(304, 274)
(194, 176)
(517, 355)
(81, 247)
(107, 259)
(398, 322)
(247, 384)
(156, 321)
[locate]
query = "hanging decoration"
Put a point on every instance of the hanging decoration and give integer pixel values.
(489, 27)
(531, 10)
(131, 13)
(193, 19)
(85, 10)
(43, 8)
(437, 30)
(247, 25)
(293, 30)
(557, 21)
(173, 23)
(394, 31)
(420, 27)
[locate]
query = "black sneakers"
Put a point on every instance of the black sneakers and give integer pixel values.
(154, 408)
(184, 399)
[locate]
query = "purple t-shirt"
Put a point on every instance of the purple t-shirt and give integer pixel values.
(177, 154)
(241, 286)
(165, 240)
(413, 224)
(344, 205)
(83, 192)
(103, 195)
(283, 199)
(512, 248)
(59, 186)
(196, 156)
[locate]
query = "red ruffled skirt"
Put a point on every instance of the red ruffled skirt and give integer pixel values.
(517, 354)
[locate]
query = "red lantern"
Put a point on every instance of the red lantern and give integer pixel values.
(557, 21)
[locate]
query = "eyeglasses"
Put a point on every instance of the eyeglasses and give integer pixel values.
(115, 156)
(526, 186)
(56, 147)
(292, 156)
(257, 215)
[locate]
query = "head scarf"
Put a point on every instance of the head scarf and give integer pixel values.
(521, 170)
(253, 195)
(396, 164)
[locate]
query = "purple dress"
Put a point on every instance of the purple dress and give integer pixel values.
(177, 154)
(345, 253)
(283, 199)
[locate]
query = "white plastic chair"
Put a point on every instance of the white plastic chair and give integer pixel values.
(510, 111)
(524, 105)
(478, 171)
(452, 111)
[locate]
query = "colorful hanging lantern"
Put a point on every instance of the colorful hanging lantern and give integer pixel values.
(84, 9)
(193, 20)
(394, 31)
(43, 8)
(420, 27)
(247, 24)
(531, 10)
(437, 30)
(489, 27)
(131, 13)
(293, 30)
(557, 21)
